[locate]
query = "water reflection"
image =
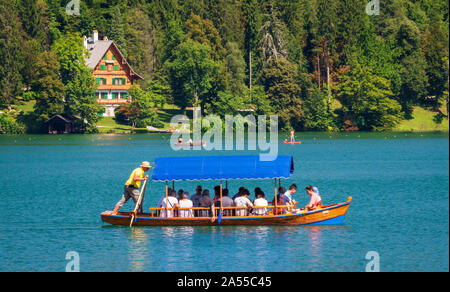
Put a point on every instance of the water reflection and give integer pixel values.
(138, 249)
(315, 245)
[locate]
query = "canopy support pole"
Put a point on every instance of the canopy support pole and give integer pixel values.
(167, 199)
(276, 199)
(221, 205)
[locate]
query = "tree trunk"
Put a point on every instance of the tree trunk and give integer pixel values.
(318, 67)
(250, 71)
(328, 74)
(196, 99)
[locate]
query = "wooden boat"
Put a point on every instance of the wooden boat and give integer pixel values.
(328, 215)
(187, 144)
(226, 168)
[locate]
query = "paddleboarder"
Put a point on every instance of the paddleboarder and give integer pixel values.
(132, 185)
(292, 136)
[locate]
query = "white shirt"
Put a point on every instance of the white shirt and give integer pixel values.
(242, 202)
(171, 205)
(261, 202)
(287, 197)
(186, 204)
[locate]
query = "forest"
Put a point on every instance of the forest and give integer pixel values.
(320, 65)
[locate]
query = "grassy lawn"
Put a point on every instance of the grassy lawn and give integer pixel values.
(423, 121)
(109, 125)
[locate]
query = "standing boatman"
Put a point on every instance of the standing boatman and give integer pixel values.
(132, 185)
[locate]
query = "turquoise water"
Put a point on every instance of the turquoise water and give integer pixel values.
(53, 189)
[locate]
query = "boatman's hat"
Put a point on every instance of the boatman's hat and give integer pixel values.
(146, 164)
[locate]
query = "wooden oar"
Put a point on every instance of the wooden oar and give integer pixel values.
(138, 203)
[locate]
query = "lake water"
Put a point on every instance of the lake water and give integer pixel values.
(53, 189)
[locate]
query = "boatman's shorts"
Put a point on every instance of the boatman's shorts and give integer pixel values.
(129, 192)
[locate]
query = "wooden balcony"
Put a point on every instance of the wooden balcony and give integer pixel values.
(113, 101)
(114, 87)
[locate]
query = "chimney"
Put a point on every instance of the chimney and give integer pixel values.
(95, 35)
(85, 41)
(105, 38)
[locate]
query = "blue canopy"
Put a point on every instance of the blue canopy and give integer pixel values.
(221, 168)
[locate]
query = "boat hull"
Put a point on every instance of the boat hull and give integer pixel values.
(330, 215)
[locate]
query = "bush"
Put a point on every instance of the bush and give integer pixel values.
(9, 125)
(30, 95)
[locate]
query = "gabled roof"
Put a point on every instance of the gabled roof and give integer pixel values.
(98, 50)
(61, 117)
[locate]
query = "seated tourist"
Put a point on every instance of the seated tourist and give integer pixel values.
(243, 201)
(170, 202)
(185, 203)
(261, 202)
(239, 193)
(162, 198)
(281, 191)
(196, 198)
(217, 194)
(315, 201)
(278, 210)
(207, 202)
(180, 194)
(227, 202)
(287, 197)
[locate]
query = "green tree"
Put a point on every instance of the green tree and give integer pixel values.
(226, 104)
(140, 112)
(367, 99)
(252, 25)
(12, 59)
(31, 17)
(80, 100)
(71, 55)
(203, 31)
(141, 43)
(235, 67)
(192, 73)
(317, 116)
(283, 92)
(435, 50)
(48, 85)
(116, 31)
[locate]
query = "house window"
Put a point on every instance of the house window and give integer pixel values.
(105, 57)
(101, 81)
(119, 81)
(116, 67)
(113, 57)
(124, 95)
(115, 95)
(105, 95)
(103, 67)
